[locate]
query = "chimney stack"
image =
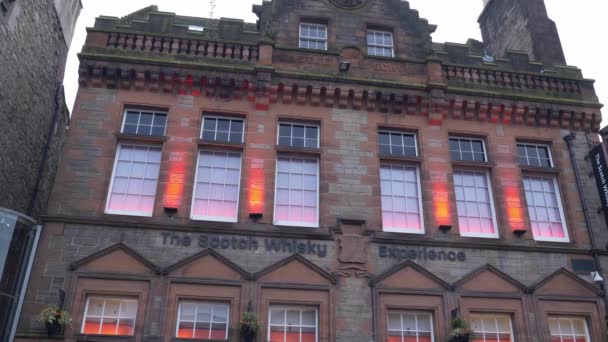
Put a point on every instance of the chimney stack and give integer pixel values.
(522, 25)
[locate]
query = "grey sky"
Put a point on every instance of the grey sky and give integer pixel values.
(580, 26)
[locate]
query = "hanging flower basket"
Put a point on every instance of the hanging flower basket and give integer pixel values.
(461, 332)
(54, 319)
(249, 326)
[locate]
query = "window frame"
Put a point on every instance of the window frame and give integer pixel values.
(196, 177)
(376, 30)
(571, 318)
(217, 117)
(293, 307)
(420, 202)
(140, 110)
(275, 221)
(483, 145)
(547, 146)
(562, 213)
(121, 299)
(312, 22)
(494, 316)
(107, 209)
(305, 124)
(197, 302)
(416, 312)
(389, 131)
(496, 235)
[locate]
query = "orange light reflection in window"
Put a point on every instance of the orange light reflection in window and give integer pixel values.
(256, 188)
(441, 204)
(514, 209)
(174, 190)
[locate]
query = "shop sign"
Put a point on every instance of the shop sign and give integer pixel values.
(598, 161)
(420, 254)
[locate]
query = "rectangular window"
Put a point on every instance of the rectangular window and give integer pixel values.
(313, 36)
(534, 155)
(203, 320)
(298, 135)
(410, 327)
(545, 208)
(380, 43)
(495, 328)
(467, 149)
(568, 329)
(134, 180)
(401, 200)
(217, 186)
(297, 192)
(109, 316)
(292, 323)
(144, 122)
(223, 129)
(474, 204)
(397, 144)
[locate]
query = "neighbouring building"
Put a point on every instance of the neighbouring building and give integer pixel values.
(35, 36)
(331, 170)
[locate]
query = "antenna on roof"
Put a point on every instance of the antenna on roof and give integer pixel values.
(211, 8)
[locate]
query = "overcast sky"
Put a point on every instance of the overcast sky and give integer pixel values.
(580, 25)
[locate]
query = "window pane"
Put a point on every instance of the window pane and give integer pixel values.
(296, 192)
(473, 204)
(467, 149)
(400, 201)
(544, 207)
(226, 130)
(413, 326)
(145, 123)
(110, 316)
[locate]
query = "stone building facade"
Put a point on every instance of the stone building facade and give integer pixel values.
(329, 169)
(35, 36)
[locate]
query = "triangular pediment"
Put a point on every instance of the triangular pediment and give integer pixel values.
(116, 259)
(409, 275)
(207, 264)
(565, 283)
(489, 279)
(295, 270)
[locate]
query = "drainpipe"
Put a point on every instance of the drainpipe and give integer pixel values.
(45, 152)
(594, 250)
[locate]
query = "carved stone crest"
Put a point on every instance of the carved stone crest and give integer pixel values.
(349, 4)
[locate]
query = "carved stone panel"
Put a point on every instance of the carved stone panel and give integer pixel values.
(350, 4)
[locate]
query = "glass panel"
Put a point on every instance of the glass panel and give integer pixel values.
(185, 329)
(92, 325)
(108, 326)
(277, 316)
(128, 309)
(126, 327)
(112, 308)
(95, 307)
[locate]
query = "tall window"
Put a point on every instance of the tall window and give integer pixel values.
(298, 135)
(203, 320)
(217, 185)
(474, 204)
(534, 155)
(134, 180)
(144, 122)
(297, 192)
(568, 329)
(545, 208)
(223, 129)
(410, 327)
(380, 43)
(313, 36)
(292, 323)
(492, 328)
(467, 149)
(401, 199)
(109, 316)
(397, 144)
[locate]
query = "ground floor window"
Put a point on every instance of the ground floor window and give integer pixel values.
(203, 320)
(492, 328)
(109, 316)
(568, 329)
(404, 326)
(293, 324)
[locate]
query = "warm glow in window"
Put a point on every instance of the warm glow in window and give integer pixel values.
(293, 324)
(216, 191)
(564, 329)
(109, 316)
(545, 209)
(492, 328)
(474, 204)
(410, 327)
(134, 180)
(297, 192)
(401, 200)
(380, 43)
(313, 36)
(203, 320)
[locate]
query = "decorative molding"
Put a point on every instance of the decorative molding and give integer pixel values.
(489, 268)
(300, 258)
(119, 246)
(207, 252)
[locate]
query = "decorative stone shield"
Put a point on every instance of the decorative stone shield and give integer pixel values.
(349, 4)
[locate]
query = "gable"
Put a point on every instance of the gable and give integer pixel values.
(488, 281)
(206, 266)
(410, 278)
(565, 284)
(294, 271)
(115, 261)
